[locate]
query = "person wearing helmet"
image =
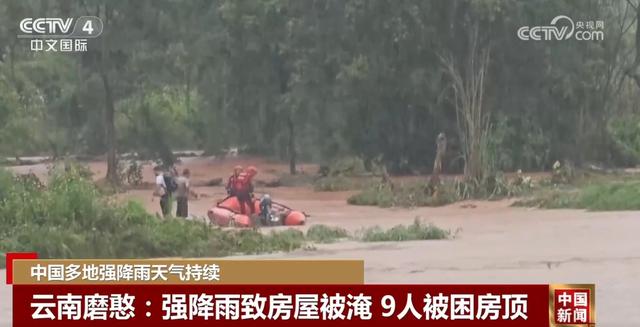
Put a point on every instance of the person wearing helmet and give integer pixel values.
(265, 209)
(237, 170)
(243, 189)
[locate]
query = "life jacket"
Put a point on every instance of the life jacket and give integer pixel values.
(242, 184)
(231, 182)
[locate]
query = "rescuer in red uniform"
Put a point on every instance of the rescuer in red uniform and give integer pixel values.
(243, 188)
(237, 170)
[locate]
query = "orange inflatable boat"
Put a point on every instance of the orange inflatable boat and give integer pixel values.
(227, 213)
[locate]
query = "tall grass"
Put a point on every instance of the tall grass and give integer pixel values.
(415, 231)
(341, 183)
(611, 196)
(418, 194)
(326, 234)
(600, 196)
(413, 195)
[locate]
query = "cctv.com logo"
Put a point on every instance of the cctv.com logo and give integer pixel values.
(563, 28)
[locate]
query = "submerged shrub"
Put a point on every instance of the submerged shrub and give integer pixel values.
(414, 195)
(326, 234)
(611, 196)
(601, 196)
(415, 231)
(340, 183)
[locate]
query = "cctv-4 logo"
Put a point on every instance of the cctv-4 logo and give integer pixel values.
(82, 27)
(46, 26)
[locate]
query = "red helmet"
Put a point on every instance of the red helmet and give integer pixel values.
(252, 170)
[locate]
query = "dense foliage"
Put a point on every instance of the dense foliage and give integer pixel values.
(318, 79)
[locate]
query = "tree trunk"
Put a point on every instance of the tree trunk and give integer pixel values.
(292, 146)
(633, 70)
(110, 132)
(283, 78)
(109, 113)
(188, 88)
(12, 69)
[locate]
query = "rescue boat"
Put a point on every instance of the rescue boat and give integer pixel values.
(226, 213)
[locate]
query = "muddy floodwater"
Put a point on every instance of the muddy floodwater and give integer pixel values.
(496, 243)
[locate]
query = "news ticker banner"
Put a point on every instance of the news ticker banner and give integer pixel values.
(246, 292)
(186, 271)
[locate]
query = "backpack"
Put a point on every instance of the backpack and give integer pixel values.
(171, 184)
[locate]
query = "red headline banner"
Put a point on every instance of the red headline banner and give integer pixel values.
(285, 305)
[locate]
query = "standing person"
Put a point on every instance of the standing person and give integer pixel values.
(441, 149)
(161, 191)
(183, 191)
(237, 170)
(171, 186)
(244, 189)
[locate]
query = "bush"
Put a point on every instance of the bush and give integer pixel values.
(300, 179)
(603, 196)
(415, 231)
(422, 195)
(326, 234)
(493, 187)
(550, 199)
(131, 173)
(72, 167)
(414, 195)
(625, 134)
(563, 173)
(381, 196)
(332, 184)
(347, 166)
(611, 196)
(340, 183)
(248, 241)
